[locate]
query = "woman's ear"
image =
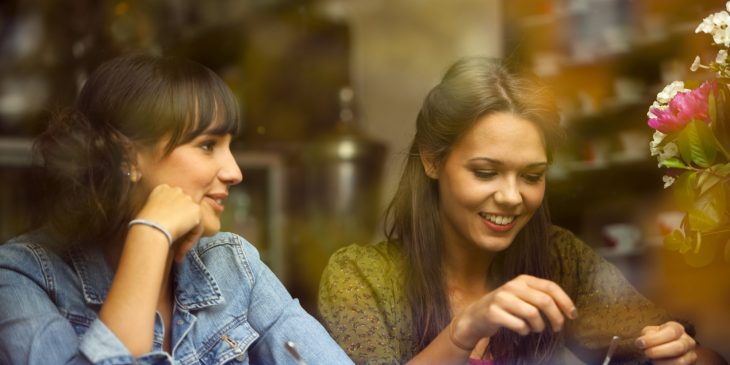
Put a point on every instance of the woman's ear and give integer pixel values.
(429, 165)
(131, 164)
(131, 171)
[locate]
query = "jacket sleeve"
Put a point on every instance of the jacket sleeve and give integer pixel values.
(278, 318)
(33, 330)
(356, 302)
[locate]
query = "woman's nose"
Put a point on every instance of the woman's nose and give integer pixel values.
(508, 194)
(230, 172)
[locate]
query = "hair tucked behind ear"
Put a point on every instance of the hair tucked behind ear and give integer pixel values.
(129, 102)
(472, 88)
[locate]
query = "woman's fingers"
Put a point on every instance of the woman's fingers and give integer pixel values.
(560, 298)
(173, 209)
(676, 348)
(187, 242)
(667, 343)
(688, 358)
(524, 304)
(509, 321)
(653, 336)
(543, 303)
(517, 307)
(529, 298)
(546, 297)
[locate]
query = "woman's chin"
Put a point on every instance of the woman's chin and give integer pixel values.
(211, 228)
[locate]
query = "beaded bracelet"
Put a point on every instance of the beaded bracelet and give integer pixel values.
(153, 225)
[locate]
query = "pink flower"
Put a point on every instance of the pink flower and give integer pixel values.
(683, 108)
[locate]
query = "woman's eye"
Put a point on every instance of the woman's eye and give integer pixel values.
(534, 178)
(484, 174)
(207, 145)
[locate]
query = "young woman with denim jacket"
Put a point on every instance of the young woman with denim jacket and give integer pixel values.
(131, 267)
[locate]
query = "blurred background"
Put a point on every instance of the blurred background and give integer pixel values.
(330, 89)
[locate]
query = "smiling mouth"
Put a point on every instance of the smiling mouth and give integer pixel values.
(216, 203)
(501, 220)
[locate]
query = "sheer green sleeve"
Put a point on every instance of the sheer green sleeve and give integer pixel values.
(607, 304)
(360, 302)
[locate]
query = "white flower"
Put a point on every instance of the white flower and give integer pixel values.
(654, 144)
(669, 91)
(695, 65)
(655, 105)
(670, 150)
(717, 24)
(664, 153)
(722, 36)
(721, 58)
(705, 26)
(668, 181)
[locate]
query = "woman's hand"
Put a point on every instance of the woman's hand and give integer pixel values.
(667, 344)
(171, 208)
(517, 306)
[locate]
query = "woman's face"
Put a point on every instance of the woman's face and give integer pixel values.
(203, 168)
(492, 182)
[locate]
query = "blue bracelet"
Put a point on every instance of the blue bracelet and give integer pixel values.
(153, 225)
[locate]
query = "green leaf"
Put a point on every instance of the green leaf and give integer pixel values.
(684, 193)
(706, 180)
(705, 249)
(712, 108)
(721, 169)
(708, 210)
(697, 144)
(675, 242)
(673, 163)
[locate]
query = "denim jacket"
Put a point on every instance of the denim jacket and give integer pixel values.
(229, 309)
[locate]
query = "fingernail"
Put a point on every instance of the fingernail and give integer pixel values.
(639, 343)
(574, 313)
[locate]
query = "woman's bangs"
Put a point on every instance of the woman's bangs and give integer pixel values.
(203, 106)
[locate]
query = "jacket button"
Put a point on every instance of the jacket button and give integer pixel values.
(241, 357)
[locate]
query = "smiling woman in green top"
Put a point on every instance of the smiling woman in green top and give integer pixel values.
(472, 269)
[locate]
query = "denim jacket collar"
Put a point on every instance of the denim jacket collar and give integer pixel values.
(199, 291)
(94, 274)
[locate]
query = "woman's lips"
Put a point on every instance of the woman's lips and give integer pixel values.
(498, 227)
(217, 204)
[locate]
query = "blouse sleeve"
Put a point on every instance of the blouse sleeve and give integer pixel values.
(356, 302)
(607, 304)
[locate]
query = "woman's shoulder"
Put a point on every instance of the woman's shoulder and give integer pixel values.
(378, 267)
(567, 245)
(30, 255)
(31, 246)
(376, 258)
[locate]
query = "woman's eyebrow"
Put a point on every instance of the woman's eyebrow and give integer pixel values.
(499, 163)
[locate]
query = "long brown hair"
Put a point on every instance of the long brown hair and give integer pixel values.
(130, 101)
(472, 88)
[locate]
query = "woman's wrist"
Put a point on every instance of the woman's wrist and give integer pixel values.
(142, 235)
(458, 334)
(151, 227)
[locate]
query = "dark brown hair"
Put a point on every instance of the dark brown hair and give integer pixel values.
(130, 101)
(472, 88)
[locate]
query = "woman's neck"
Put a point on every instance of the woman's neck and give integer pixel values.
(466, 267)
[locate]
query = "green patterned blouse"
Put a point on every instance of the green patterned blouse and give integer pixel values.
(363, 304)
